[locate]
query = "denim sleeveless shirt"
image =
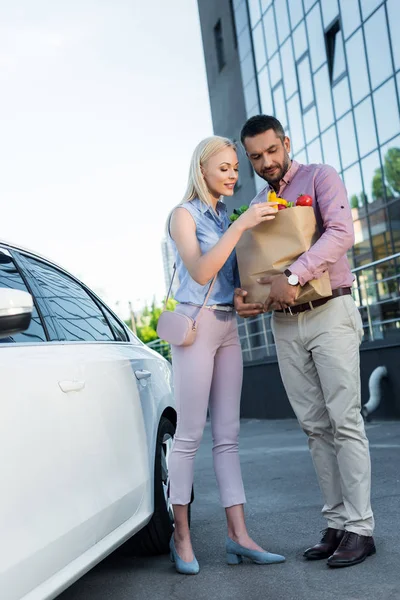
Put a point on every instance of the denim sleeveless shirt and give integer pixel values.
(210, 226)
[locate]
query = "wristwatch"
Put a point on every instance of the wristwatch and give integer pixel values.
(291, 277)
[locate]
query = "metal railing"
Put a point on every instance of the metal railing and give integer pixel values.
(376, 291)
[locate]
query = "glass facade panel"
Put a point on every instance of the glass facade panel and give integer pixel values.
(315, 152)
(378, 50)
(296, 12)
(372, 175)
(330, 148)
(353, 182)
(362, 246)
(308, 4)
(350, 16)
(255, 11)
(380, 234)
(339, 64)
(247, 69)
(280, 106)
(289, 71)
(241, 19)
(390, 156)
(316, 38)
(301, 157)
(275, 70)
(271, 37)
(264, 89)
(365, 127)
(368, 6)
(300, 40)
(265, 4)
(393, 9)
(387, 111)
(244, 43)
(306, 90)
(311, 124)
(250, 95)
(323, 98)
(347, 140)
(330, 10)
(341, 98)
(282, 19)
(296, 127)
(259, 46)
(357, 66)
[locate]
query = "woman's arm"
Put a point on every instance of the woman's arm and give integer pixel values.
(203, 267)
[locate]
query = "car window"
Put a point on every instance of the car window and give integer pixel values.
(76, 314)
(11, 278)
(117, 327)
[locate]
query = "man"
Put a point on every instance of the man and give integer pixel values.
(318, 344)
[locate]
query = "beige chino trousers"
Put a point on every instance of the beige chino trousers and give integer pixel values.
(319, 361)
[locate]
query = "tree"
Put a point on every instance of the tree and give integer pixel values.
(391, 166)
(377, 185)
(146, 323)
(354, 201)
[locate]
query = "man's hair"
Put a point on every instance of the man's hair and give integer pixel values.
(260, 124)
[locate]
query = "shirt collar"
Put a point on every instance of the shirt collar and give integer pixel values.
(291, 172)
(221, 207)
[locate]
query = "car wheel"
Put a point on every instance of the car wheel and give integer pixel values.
(155, 537)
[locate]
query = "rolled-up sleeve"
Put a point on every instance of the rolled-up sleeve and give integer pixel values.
(338, 236)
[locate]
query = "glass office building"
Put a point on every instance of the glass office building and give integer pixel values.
(329, 70)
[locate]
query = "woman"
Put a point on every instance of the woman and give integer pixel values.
(208, 374)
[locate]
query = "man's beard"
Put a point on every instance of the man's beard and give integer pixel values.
(280, 173)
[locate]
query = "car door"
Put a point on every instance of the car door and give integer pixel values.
(39, 513)
(111, 462)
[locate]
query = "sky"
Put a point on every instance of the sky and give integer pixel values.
(102, 104)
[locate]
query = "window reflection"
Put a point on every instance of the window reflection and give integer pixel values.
(311, 124)
(295, 12)
(254, 10)
(330, 148)
(393, 9)
(264, 89)
(289, 72)
(350, 16)
(316, 38)
(275, 70)
(77, 315)
(250, 95)
(380, 233)
(357, 67)
(247, 69)
(300, 40)
(339, 65)
(368, 6)
(354, 187)
(390, 156)
(387, 111)
(10, 278)
(323, 98)
(301, 157)
(365, 126)
(265, 4)
(347, 141)
(308, 4)
(304, 75)
(271, 38)
(362, 246)
(341, 97)
(378, 50)
(373, 181)
(330, 10)
(259, 47)
(282, 19)
(241, 19)
(244, 43)
(295, 123)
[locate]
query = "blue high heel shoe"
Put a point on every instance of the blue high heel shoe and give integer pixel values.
(183, 567)
(235, 553)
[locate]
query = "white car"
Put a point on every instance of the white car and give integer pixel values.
(87, 423)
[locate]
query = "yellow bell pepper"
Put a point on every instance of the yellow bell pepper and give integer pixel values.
(272, 197)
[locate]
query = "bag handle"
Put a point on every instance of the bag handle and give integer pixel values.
(205, 299)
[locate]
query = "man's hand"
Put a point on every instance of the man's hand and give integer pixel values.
(246, 310)
(282, 294)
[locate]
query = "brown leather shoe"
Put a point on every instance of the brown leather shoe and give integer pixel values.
(331, 539)
(352, 550)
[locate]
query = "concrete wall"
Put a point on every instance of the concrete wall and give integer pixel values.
(226, 90)
(264, 397)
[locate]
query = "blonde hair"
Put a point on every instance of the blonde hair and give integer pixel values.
(197, 187)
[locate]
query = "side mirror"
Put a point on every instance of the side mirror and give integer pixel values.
(15, 311)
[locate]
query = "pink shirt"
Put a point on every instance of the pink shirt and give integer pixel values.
(333, 214)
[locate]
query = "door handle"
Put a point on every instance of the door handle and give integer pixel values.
(142, 374)
(71, 386)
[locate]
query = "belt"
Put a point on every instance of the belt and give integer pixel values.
(294, 310)
(224, 307)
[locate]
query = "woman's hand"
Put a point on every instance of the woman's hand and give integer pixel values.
(256, 214)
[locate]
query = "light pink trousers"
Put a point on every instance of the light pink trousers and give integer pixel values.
(208, 374)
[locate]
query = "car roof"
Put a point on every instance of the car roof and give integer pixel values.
(34, 253)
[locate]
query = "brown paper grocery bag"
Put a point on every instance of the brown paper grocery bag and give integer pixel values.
(271, 247)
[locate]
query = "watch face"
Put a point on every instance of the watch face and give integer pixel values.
(293, 279)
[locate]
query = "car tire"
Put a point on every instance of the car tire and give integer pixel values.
(154, 538)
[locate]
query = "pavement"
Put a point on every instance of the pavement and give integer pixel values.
(283, 515)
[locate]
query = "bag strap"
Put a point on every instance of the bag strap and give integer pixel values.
(205, 299)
